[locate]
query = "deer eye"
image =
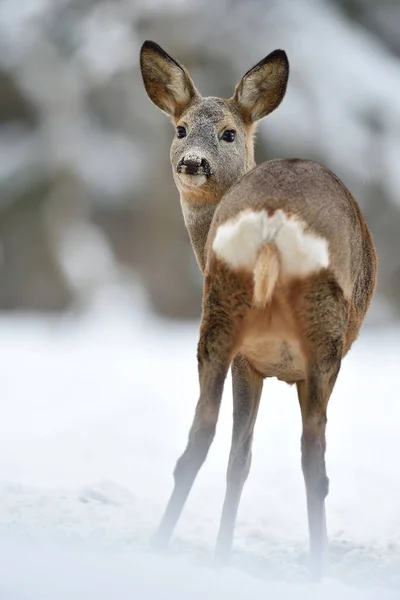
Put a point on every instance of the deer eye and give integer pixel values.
(180, 132)
(228, 135)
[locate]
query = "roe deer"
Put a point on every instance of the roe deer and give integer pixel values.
(289, 271)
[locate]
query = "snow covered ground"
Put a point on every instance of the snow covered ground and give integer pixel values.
(94, 413)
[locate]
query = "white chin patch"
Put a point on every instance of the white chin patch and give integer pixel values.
(192, 180)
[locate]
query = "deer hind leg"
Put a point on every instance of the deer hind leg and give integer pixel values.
(325, 320)
(247, 387)
(215, 351)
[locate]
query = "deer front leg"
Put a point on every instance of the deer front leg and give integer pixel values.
(201, 436)
(214, 356)
(247, 387)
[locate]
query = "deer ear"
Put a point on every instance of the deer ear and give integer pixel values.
(168, 84)
(262, 89)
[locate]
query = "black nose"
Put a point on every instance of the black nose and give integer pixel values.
(194, 165)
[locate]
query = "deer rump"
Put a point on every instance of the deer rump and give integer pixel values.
(272, 245)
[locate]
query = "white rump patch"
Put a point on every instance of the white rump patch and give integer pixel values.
(237, 242)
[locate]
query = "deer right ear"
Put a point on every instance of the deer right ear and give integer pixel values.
(262, 89)
(168, 84)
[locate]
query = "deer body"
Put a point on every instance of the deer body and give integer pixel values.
(289, 272)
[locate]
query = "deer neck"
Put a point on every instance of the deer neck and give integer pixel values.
(198, 215)
(198, 211)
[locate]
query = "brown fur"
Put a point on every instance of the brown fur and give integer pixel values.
(297, 329)
(266, 273)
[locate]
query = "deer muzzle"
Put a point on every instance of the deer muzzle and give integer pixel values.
(194, 165)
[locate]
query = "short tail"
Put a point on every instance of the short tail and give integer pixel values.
(266, 273)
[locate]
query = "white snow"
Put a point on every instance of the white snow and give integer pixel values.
(94, 413)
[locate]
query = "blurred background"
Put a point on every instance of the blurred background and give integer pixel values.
(87, 201)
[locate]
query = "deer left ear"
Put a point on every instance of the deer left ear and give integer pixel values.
(262, 89)
(168, 84)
